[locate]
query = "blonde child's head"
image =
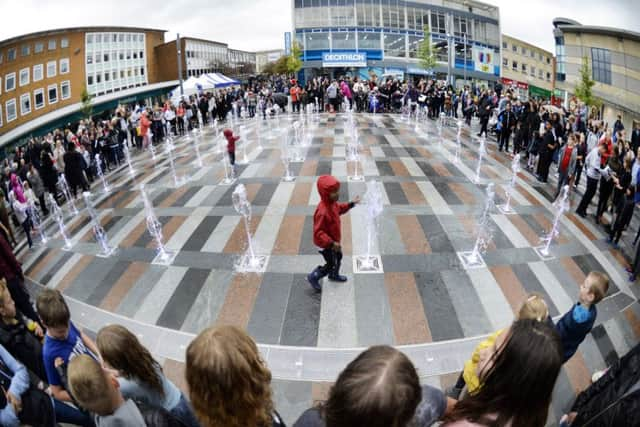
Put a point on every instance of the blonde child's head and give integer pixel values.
(534, 307)
(594, 287)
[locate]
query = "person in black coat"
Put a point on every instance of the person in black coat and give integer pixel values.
(635, 138)
(507, 120)
(549, 145)
(613, 400)
(48, 171)
(484, 111)
(74, 166)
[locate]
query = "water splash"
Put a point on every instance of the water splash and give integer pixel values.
(373, 202)
(59, 218)
(101, 236)
(177, 181)
(163, 256)
(482, 150)
(36, 221)
(484, 230)
(101, 174)
(285, 156)
(127, 156)
(561, 205)
(511, 188)
(458, 142)
(250, 262)
(67, 194)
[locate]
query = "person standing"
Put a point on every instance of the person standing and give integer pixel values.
(295, 101)
(507, 121)
(549, 145)
(567, 166)
(484, 111)
(327, 230)
(594, 171)
(613, 168)
(231, 146)
(635, 138)
(11, 270)
(74, 169)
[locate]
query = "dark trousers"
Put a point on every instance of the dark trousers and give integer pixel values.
(635, 267)
(579, 168)
(543, 165)
(563, 179)
(504, 139)
(592, 186)
(21, 298)
(43, 206)
(483, 123)
(26, 226)
(606, 188)
(180, 125)
(333, 259)
(232, 157)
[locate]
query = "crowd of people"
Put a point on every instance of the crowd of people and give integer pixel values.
(51, 371)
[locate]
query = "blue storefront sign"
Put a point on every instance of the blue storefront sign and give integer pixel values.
(344, 59)
(287, 43)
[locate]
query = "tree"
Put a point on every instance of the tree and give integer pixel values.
(87, 103)
(584, 85)
(425, 51)
(294, 63)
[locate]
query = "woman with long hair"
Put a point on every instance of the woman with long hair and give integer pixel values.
(518, 374)
(229, 384)
(139, 375)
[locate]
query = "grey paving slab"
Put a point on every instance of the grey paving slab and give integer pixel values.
(373, 313)
(307, 247)
(338, 327)
(395, 193)
(90, 278)
(302, 317)
(604, 344)
(384, 168)
(563, 395)
(438, 307)
(531, 284)
(291, 399)
(105, 285)
(160, 294)
(201, 233)
(438, 239)
(471, 316)
(182, 300)
(267, 316)
(207, 304)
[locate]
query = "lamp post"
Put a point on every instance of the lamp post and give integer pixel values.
(449, 59)
(465, 58)
(179, 53)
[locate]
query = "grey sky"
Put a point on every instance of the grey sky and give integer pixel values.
(260, 24)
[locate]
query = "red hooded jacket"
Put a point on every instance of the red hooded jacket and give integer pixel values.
(10, 268)
(326, 219)
(231, 140)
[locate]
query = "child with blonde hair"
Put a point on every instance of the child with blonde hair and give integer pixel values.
(534, 307)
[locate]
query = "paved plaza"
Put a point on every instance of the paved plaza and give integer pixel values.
(424, 299)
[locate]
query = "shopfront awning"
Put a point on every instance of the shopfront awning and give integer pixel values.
(538, 92)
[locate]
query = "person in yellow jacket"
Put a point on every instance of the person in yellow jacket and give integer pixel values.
(534, 307)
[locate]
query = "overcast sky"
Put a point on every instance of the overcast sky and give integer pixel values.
(260, 24)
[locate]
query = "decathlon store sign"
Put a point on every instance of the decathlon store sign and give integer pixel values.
(344, 59)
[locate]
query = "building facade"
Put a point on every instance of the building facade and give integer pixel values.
(266, 56)
(201, 56)
(527, 69)
(378, 37)
(613, 56)
(43, 75)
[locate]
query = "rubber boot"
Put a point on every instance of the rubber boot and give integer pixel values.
(314, 278)
(335, 276)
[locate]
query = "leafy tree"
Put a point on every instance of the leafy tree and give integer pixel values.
(584, 85)
(425, 51)
(87, 103)
(294, 63)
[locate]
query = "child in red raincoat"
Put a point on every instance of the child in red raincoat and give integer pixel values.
(327, 230)
(231, 145)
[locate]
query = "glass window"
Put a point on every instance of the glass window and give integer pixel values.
(98, 78)
(89, 80)
(0, 115)
(38, 73)
(533, 54)
(114, 37)
(135, 55)
(601, 65)
(141, 55)
(121, 55)
(514, 65)
(51, 69)
(394, 45)
(540, 74)
(38, 47)
(142, 71)
(524, 51)
(438, 23)
(524, 68)
(548, 76)
(459, 26)
(98, 58)
(64, 43)
(25, 50)
(64, 66)
(11, 54)
(514, 48)
(505, 62)
(414, 45)
(25, 104)
(10, 108)
(107, 76)
(504, 45)
(89, 38)
(120, 37)
(1, 57)
(533, 71)
(10, 82)
(65, 90)
(540, 56)
(24, 76)
(38, 98)
(105, 56)
(548, 60)
(317, 41)
(89, 58)
(344, 40)
(52, 44)
(52, 92)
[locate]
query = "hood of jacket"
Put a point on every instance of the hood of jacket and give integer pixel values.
(327, 184)
(127, 415)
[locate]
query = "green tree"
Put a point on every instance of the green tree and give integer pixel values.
(87, 103)
(584, 85)
(294, 63)
(425, 51)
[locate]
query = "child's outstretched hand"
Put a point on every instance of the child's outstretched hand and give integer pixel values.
(356, 200)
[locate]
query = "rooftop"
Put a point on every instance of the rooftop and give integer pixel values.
(75, 29)
(569, 25)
